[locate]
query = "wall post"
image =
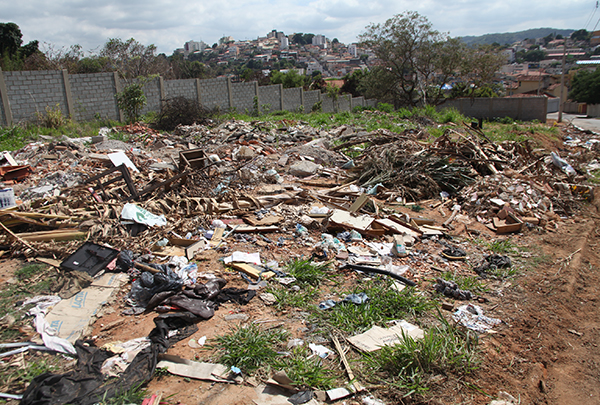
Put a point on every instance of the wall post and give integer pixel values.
(163, 92)
(68, 94)
(198, 92)
(5, 102)
(280, 97)
(257, 97)
(230, 92)
(118, 89)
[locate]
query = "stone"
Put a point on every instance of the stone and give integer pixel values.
(245, 152)
(303, 169)
(98, 139)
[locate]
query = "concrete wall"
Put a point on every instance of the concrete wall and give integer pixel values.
(593, 110)
(518, 108)
(269, 97)
(358, 102)
(344, 101)
(214, 92)
(94, 96)
(243, 96)
(181, 88)
(553, 105)
(88, 96)
(30, 92)
(311, 98)
(292, 99)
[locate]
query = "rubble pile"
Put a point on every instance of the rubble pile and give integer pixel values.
(181, 215)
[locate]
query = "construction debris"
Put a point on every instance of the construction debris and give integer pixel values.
(174, 214)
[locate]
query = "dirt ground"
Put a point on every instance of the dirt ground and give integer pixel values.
(546, 352)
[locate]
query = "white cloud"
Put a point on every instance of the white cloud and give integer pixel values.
(170, 23)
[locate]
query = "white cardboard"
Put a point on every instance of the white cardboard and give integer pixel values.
(72, 317)
(376, 337)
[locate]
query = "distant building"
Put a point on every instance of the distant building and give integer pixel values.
(284, 43)
(193, 46)
(595, 39)
(320, 41)
(353, 50)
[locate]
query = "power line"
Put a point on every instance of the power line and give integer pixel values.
(592, 16)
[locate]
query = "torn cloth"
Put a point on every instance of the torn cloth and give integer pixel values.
(86, 384)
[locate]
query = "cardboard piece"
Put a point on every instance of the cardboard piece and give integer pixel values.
(252, 271)
(119, 158)
(508, 225)
(193, 369)
(71, 318)
(344, 219)
(376, 337)
(338, 393)
(395, 227)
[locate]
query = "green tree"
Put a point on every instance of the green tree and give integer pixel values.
(353, 82)
(289, 80)
(10, 39)
(580, 35)
(132, 59)
(132, 99)
(410, 53)
(585, 87)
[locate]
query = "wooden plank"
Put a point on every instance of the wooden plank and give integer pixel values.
(251, 271)
(360, 202)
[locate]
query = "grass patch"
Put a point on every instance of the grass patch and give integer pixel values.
(307, 272)
(408, 365)
(469, 283)
(385, 304)
(134, 395)
(502, 246)
(306, 370)
(249, 347)
(16, 379)
(287, 298)
(13, 293)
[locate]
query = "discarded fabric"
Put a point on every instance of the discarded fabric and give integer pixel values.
(472, 317)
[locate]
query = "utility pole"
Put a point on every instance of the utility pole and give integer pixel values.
(562, 83)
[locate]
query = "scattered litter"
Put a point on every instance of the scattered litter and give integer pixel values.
(376, 337)
(472, 317)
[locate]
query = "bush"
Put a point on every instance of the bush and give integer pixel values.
(131, 100)
(53, 118)
(385, 107)
(182, 111)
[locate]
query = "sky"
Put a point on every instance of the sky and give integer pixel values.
(168, 24)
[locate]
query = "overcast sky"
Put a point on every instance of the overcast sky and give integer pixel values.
(168, 24)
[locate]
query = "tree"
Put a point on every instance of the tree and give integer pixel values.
(353, 82)
(581, 35)
(10, 39)
(131, 59)
(410, 52)
(585, 87)
(289, 80)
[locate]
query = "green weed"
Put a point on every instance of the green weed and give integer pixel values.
(53, 118)
(307, 371)
(444, 349)
(385, 304)
(469, 283)
(249, 347)
(134, 395)
(502, 246)
(287, 298)
(17, 378)
(307, 272)
(29, 270)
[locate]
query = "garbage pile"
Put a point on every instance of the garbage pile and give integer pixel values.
(159, 213)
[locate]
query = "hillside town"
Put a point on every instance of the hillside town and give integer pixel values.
(531, 66)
